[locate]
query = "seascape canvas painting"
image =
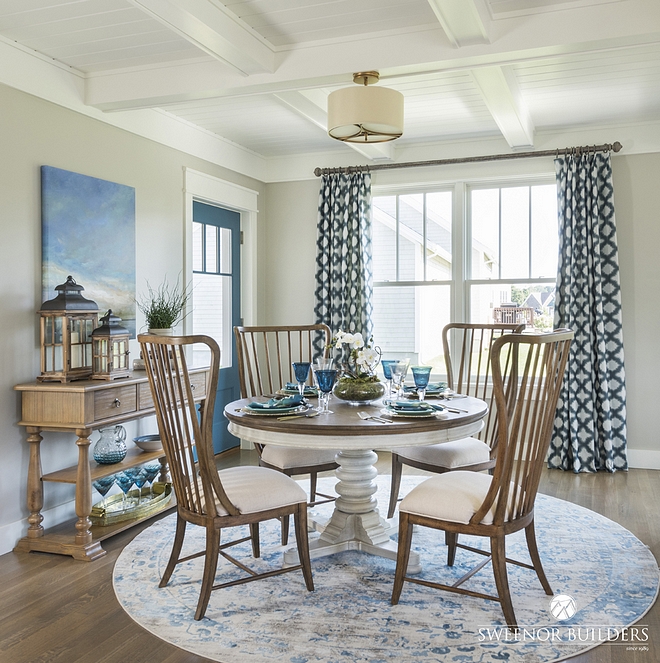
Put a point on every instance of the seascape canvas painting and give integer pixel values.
(88, 232)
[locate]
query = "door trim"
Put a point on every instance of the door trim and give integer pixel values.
(211, 190)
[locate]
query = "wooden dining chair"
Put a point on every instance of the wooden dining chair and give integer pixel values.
(205, 496)
(497, 504)
(265, 357)
(468, 373)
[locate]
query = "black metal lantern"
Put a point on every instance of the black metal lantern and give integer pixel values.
(67, 322)
(110, 349)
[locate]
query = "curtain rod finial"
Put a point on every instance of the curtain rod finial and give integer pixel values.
(617, 147)
(318, 172)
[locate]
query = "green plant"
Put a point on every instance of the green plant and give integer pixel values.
(164, 306)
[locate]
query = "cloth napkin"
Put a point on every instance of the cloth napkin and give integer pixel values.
(277, 403)
(409, 406)
(294, 385)
(432, 386)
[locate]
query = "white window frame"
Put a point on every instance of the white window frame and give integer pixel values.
(461, 282)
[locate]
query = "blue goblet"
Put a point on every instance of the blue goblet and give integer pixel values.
(301, 371)
(387, 372)
(325, 378)
(421, 375)
(103, 485)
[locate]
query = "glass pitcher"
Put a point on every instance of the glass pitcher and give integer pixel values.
(111, 446)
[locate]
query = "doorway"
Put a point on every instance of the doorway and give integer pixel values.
(216, 235)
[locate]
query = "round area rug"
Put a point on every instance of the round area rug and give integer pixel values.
(611, 576)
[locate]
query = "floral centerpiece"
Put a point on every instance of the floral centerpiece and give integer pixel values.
(358, 360)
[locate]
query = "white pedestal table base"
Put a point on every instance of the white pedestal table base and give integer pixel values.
(355, 523)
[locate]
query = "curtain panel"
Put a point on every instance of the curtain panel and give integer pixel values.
(590, 424)
(344, 279)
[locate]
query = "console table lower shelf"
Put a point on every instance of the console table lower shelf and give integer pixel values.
(61, 541)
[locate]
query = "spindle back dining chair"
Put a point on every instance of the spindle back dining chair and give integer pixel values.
(265, 357)
(467, 353)
(495, 505)
(205, 496)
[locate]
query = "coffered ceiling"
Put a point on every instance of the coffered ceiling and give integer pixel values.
(258, 72)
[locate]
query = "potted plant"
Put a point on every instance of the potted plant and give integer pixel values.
(358, 384)
(163, 307)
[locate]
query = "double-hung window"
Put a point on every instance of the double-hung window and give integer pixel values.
(467, 252)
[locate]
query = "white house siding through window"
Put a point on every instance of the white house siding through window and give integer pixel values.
(508, 273)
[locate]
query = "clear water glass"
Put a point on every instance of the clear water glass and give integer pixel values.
(325, 378)
(421, 375)
(301, 371)
(399, 370)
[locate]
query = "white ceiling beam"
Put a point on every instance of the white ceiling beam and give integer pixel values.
(500, 91)
(312, 104)
(216, 31)
(461, 21)
(398, 56)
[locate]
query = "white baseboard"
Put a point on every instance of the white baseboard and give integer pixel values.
(11, 533)
(644, 459)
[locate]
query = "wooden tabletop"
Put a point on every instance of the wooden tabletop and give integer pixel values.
(345, 422)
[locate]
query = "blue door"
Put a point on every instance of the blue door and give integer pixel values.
(216, 301)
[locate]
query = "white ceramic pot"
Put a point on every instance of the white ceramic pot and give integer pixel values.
(168, 331)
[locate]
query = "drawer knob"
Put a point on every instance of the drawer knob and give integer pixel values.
(192, 386)
(116, 402)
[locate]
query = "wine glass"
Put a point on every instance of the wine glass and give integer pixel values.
(151, 472)
(301, 371)
(399, 369)
(421, 375)
(139, 476)
(103, 485)
(387, 372)
(325, 378)
(323, 363)
(125, 482)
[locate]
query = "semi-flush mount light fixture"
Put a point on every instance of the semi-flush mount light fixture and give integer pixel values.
(365, 114)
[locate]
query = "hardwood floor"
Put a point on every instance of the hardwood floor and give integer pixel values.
(57, 610)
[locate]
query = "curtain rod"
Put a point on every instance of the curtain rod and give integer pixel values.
(606, 147)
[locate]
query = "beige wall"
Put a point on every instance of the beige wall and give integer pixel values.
(291, 246)
(33, 133)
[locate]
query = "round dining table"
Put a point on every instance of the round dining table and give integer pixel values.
(356, 523)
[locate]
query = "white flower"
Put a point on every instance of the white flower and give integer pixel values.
(347, 339)
(358, 341)
(366, 357)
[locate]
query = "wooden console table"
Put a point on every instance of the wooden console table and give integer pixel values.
(81, 407)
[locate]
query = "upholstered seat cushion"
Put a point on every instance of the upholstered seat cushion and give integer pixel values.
(286, 458)
(453, 496)
(252, 489)
(459, 453)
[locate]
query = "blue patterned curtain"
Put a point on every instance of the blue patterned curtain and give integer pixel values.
(344, 281)
(590, 426)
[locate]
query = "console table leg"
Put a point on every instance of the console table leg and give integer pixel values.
(83, 488)
(35, 486)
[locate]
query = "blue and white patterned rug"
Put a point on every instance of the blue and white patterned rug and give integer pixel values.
(612, 576)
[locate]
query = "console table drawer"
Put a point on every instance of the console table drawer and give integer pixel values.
(197, 382)
(113, 402)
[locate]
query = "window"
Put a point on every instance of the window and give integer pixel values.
(432, 264)
(212, 288)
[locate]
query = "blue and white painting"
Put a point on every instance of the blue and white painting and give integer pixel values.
(88, 231)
